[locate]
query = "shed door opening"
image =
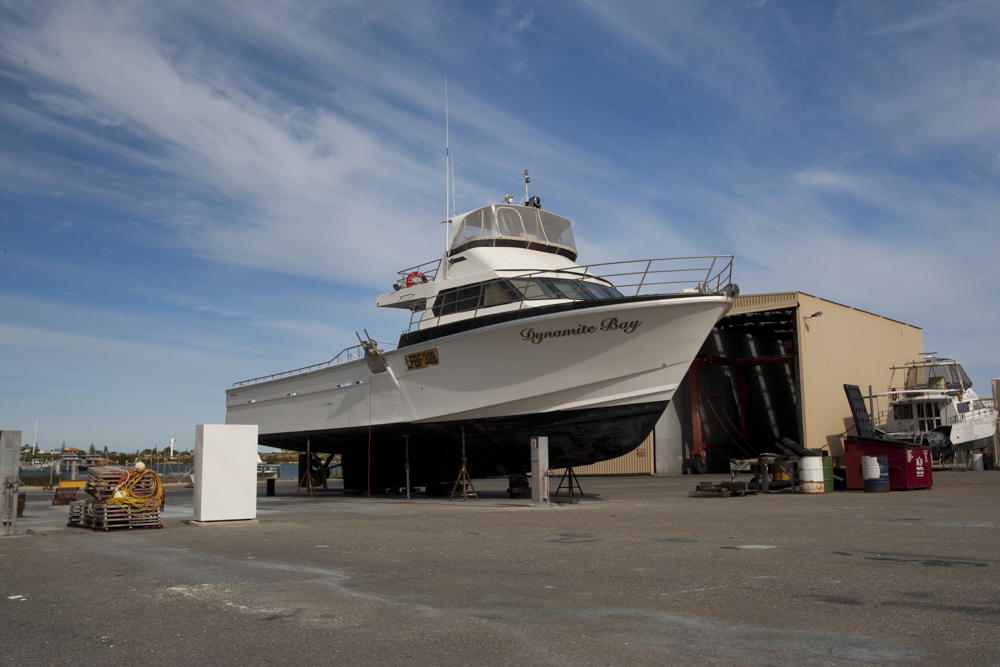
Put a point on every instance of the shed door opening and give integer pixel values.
(742, 393)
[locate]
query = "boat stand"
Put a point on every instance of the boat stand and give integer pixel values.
(574, 481)
(406, 438)
(463, 477)
(307, 478)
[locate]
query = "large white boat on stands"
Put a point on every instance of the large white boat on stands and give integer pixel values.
(936, 406)
(508, 338)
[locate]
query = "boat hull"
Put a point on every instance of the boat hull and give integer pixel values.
(961, 437)
(494, 445)
(611, 367)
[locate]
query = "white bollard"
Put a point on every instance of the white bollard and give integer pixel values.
(540, 470)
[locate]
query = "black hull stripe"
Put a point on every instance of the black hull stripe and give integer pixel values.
(425, 335)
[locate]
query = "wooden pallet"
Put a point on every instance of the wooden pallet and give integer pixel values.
(76, 511)
(723, 490)
(102, 516)
(113, 517)
(103, 481)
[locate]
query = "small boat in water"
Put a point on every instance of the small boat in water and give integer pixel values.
(937, 406)
(508, 338)
(267, 470)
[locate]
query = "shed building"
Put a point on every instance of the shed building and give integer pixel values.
(774, 367)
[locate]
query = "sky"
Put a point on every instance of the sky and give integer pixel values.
(193, 194)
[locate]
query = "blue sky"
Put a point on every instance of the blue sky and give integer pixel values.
(196, 193)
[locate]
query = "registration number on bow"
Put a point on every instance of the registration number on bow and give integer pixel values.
(419, 360)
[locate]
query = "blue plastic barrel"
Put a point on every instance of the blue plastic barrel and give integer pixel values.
(875, 470)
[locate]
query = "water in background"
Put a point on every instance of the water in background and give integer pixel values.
(288, 470)
(291, 471)
(162, 469)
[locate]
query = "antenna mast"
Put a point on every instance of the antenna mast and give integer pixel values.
(447, 168)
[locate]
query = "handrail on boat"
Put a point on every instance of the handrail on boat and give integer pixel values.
(352, 353)
(707, 280)
(427, 269)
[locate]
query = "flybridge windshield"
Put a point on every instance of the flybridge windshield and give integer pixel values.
(518, 222)
(950, 376)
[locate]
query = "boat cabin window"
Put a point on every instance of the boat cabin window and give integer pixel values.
(902, 411)
(573, 289)
(978, 405)
(514, 222)
(928, 416)
(963, 407)
(924, 377)
(500, 292)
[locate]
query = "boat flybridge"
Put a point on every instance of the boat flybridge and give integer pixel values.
(936, 406)
(508, 338)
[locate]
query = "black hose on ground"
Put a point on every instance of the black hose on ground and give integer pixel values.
(784, 450)
(797, 448)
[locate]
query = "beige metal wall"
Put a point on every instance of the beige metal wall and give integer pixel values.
(639, 461)
(844, 346)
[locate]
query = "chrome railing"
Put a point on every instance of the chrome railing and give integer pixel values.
(347, 354)
(646, 277)
(425, 272)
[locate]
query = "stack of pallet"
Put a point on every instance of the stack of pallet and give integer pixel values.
(102, 511)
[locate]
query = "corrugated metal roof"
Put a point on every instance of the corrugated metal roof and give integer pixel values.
(752, 303)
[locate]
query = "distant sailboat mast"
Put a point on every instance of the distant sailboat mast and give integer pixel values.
(34, 440)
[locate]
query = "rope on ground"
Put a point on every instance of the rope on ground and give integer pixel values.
(139, 493)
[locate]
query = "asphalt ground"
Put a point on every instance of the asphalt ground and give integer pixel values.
(636, 573)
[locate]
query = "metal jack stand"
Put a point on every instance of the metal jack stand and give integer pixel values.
(573, 481)
(307, 478)
(407, 439)
(463, 477)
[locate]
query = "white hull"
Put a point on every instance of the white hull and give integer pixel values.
(494, 371)
(965, 434)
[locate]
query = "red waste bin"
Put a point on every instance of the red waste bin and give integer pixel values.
(909, 464)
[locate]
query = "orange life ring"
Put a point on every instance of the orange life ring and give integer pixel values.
(415, 278)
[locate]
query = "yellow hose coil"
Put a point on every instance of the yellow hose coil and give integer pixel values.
(138, 503)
